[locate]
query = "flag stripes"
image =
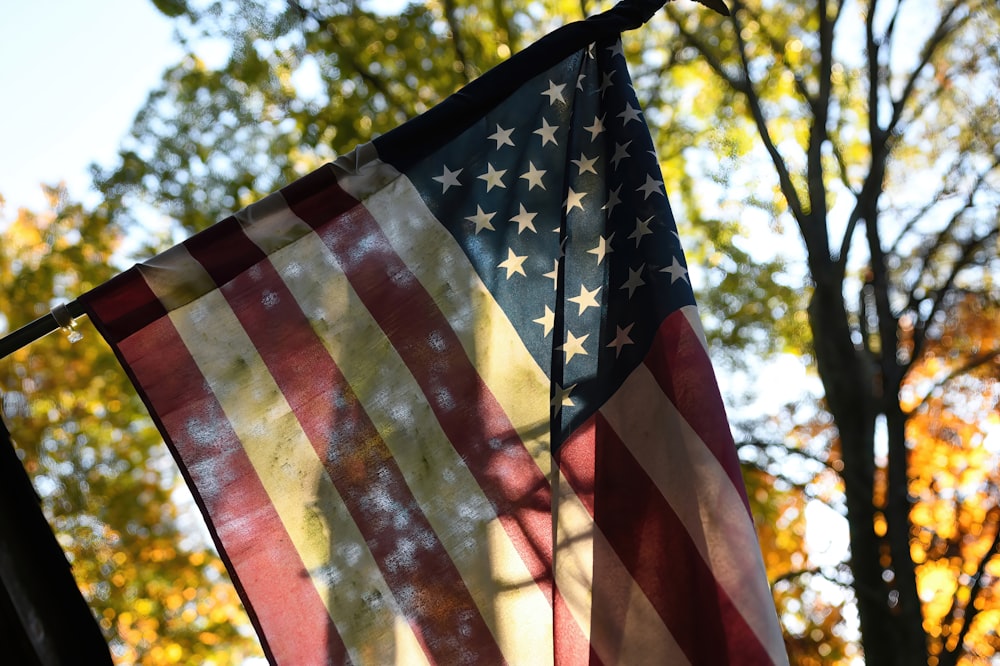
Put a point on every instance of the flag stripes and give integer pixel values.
(277, 305)
(449, 495)
(428, 587)
(362, 376)
(479, 429)
(677, 363)
(223, 480)
(690, 478)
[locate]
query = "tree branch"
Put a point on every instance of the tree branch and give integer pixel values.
(744, 85)
(326, 24)
(875, 134)
(945, 192)
(761, 445)
(975, 588)
(456, 37)
(941, 195)
(838, 155)
(779, 48)
(966, 255)
(968, 366)
(940, 34)
(821, 110)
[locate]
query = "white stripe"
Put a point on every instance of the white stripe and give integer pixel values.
(347, 577)
(489, 338)
(701, 494)
(462, 517)
(644, 638)
(522, 389)
(694, 321)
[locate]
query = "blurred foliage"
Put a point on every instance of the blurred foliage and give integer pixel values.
(107, 484)
(834, 170)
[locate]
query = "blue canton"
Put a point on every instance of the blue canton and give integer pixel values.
(557, 198)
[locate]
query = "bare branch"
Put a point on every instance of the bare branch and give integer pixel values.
(456, 37)
(975, 589)
(890, 31)
(967, 252)
(968, 366)
(875, 134)
(821, 110)
(779, 48)
(756, 110)
(353, 64)
(762, 445)
(948, 229)
(838, 155)
(944, 193)
(744, 85)
(939, 36)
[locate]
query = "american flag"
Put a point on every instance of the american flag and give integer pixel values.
(447, 399)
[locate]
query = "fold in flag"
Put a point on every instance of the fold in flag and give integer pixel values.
(447, 400)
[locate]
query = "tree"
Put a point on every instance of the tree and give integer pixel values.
(867, 130)
(97, 462)
(886, 164)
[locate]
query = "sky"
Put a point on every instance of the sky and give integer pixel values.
(72, 76)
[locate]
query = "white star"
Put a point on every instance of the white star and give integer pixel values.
(621, 339)
(547, 320)
(547, 132)
(448, 178)
(560, 397)
(613, 199)
(641, 229)
(603, 248)
(525, 220)
(574, 199)
(555, 92)
(630, 113)
(621, 152)
(651, 186)
(493, 177)
(606, 81)
(677, 271)
(616, 49)
(513, 263)
(596, 128)
(586, 299)
(553, 274)
(502, 137)
(585, 164)
(573, 346)
(534, 177)
(481, 220)
(634, 280)
(579, 81)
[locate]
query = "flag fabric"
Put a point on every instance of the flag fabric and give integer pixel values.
(447, 399)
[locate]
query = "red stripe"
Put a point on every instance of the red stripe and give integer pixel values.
(468, 412)
(248, 531)
(684, 372)
(425, 581)
(655, 547)
(122, 305)
(224, 251)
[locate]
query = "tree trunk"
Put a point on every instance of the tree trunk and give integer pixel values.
(889, 610)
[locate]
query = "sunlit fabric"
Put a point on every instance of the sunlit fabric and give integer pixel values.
(447, 399)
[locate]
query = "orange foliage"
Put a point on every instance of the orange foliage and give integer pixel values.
(952, 395)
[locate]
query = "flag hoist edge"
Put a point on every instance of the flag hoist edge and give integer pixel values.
(447, 399)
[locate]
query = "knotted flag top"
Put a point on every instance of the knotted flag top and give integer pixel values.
(447, 399)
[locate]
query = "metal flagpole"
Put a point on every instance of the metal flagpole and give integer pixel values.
(61, 316)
